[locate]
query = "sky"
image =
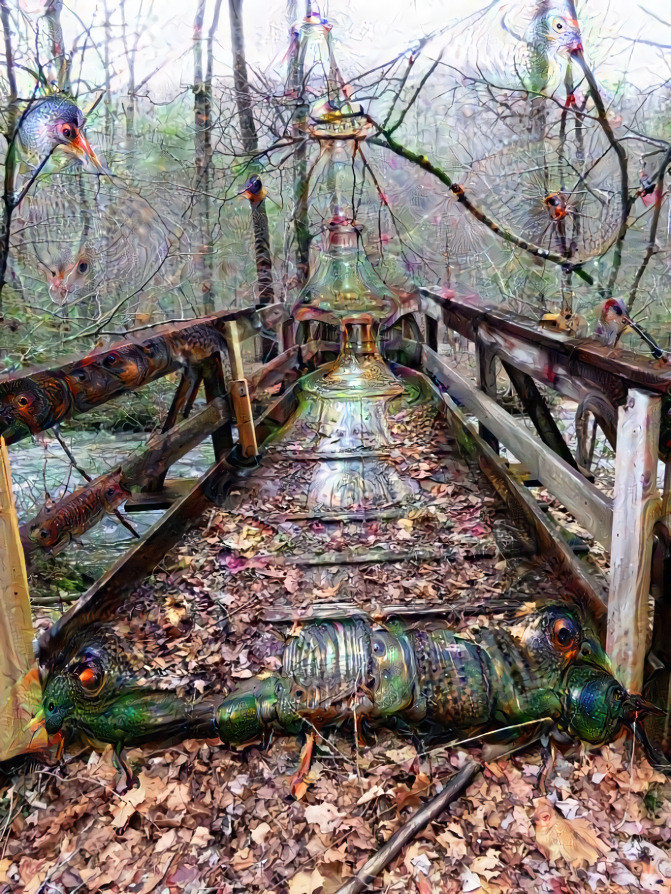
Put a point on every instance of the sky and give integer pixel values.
(366, 32)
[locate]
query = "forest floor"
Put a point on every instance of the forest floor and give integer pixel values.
(207, 818)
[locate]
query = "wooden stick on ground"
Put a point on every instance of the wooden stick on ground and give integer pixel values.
(418, 821)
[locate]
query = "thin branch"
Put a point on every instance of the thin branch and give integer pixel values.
(652, 233)
(417, 822)
(507, 235)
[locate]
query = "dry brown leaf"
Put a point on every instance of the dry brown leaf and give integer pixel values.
(129, 802)
(324, 815)
(260, 833)
(200, 837)
(573, 840)
(306, 882)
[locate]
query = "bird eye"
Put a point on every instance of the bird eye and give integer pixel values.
(44, 533)
(51, 706)
(617, 695)
(558, 24)
(83, 266)
(90, 679)
(379, 648)
(22, 401)
(564, 634)
(67, 132)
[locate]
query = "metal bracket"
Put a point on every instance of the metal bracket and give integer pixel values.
(242, 406)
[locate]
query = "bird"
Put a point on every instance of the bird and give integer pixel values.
(615, 320)
(559, 195)
(90, 245)
(254, 190)
(511, 44)
(573, 840)
(55, 123)
(552, 33)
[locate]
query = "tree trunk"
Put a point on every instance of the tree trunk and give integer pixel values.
(8, 205)
(52, 14)
(250, 144)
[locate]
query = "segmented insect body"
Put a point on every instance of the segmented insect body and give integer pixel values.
(419, 676)
(544, 663)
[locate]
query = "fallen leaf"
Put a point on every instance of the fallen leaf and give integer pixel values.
(325, 815)
(306, 883)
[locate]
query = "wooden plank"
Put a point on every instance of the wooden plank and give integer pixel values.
(486, 361)
(84, 507)
(36, 400)
(524, 511)
(538, 412)
(214, 383)
(239, 393)
(666, 494)
(589, 506)
(611, 366)
(145, 555)
(350, 557)
(16, 628)
(173, 489)
(636, 507)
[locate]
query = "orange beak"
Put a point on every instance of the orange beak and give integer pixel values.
(81, 147)
(37, 722)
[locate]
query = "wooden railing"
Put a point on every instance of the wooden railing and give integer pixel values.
(34, 401)
(629, 396)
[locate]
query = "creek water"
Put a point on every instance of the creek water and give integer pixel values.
(40, 466)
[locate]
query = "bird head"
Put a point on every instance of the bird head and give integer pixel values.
(24, 408)
(82, 684)
(254, 190)
(615, 310)
(596, 706)
(558, 634)
(91, 687)
(560, 31)
(56, 122)
(67, 131)
(69, 278)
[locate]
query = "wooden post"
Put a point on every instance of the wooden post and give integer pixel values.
(19, 684)
(666, 493)
(239, 391)
(487, 383)
(636, 507)
(215, 386)
(431, 332)
(538, 412)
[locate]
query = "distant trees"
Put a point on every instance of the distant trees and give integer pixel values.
(494, 157)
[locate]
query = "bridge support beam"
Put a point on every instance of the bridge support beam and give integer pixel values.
(636, 508)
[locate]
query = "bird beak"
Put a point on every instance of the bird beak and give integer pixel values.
(83, 149)
(37, 722)
(637, 707)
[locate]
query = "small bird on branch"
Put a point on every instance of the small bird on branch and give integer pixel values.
(254, 190)
(615, 321)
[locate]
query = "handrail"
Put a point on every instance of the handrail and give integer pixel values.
(33, 401)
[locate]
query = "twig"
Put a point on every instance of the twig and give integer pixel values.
(385, 139)
(418, 821)
(652, 235)
(622, 162)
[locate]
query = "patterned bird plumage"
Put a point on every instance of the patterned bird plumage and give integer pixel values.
(512, 44)
(87, 243)
(54, 122)
(560, 196)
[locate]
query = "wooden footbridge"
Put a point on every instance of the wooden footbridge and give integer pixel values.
(313, 417)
